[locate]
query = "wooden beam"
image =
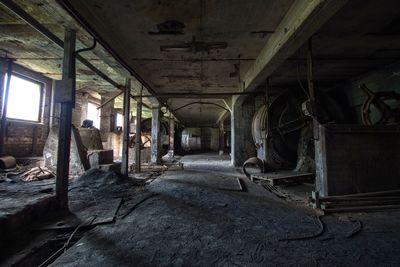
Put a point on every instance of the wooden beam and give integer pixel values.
(127, 117)
(66, 97)
(303, 19)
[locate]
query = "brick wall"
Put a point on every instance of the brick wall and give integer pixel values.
(27, 138)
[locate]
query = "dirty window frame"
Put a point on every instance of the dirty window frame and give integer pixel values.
(40, 103)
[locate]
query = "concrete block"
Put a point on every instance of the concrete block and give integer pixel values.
(78, 160)
(99, 157)
(115, 166)
(91, 138)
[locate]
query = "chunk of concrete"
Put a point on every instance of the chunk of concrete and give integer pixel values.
(91, 138)
(78, 160)
(115, 166)
(99, 157)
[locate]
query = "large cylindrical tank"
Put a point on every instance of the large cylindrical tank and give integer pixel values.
(276, 130)
(281, 131)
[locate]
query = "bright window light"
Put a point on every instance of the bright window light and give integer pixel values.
(24, 99)
(93, 114)
(120, 120)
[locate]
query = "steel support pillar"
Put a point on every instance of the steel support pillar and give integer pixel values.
(155, 135)
(126, 129)
(138, 131)
(66, 96)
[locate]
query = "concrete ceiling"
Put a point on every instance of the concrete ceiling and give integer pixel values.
(31, 49)
(130, 28)
(362, 36)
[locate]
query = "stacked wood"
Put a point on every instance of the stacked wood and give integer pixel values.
(373, 201)
(37, 173)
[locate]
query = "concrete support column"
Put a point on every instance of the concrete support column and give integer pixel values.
(155, 135)
(107, 120)
(138, 131)
(84, 108)
(242, 145)
(126, 128)
(221, 137)
(171, 150)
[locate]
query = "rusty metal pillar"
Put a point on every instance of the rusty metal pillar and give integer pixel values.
(65, 96)
(138, 130)
(127, 118)
(5, 92)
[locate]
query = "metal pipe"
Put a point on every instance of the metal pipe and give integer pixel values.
(84, 23)
(93, 46)
(52, 37)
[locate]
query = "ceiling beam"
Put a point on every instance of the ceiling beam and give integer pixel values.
(301, 21)
(222, 117)
(200, 95)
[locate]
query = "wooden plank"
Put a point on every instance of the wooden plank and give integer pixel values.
(302, 20)
(283, 178)
(363, 208)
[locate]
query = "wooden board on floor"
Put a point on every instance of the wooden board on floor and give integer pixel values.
(282, 178)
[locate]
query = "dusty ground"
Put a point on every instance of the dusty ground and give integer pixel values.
(196, 221)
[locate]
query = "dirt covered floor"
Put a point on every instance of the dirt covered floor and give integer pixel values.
(200, 217)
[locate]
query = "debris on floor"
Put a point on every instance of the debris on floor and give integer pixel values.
(37, 173)
(362, 202)
(17, 170)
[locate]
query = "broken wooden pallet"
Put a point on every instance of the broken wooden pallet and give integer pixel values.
(284, 178)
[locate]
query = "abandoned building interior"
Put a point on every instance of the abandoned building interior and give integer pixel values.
(200, 133)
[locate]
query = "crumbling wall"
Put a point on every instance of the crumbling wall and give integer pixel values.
(78, 153)
(191, 139)
(209, 139)
(79, 112)
(22, 138)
